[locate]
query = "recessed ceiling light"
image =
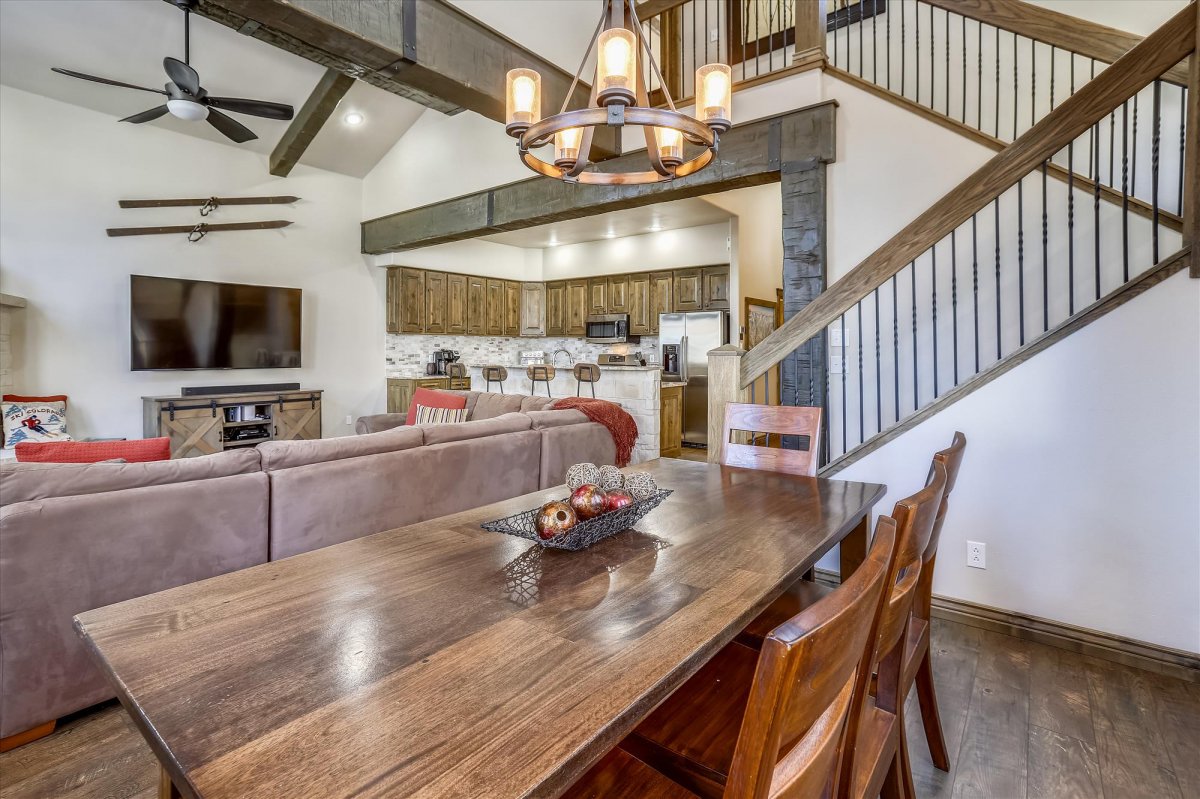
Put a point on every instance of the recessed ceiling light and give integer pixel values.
(552, 243)
(610, 235)
(354, 118)
(655, 227)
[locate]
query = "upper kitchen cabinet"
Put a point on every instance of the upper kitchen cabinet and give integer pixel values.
(618, 294)
(715, 288)
(456, 304)
(577, 307)
(476, 306)
(556, 309)
(393, 299)
(639, 304)
(597, 296)
(435, 302)
(533, 309)
(495, 308)
(662, 297)
(512, 308)
(412, 300)
(689, 290)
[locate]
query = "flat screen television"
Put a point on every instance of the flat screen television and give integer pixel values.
(197, 324)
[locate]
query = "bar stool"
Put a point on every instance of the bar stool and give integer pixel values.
(586, 373)
(539, 373)
(495, 374)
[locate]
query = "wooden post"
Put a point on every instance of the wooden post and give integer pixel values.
(1191, 169)
(810, 33)
(724, 386)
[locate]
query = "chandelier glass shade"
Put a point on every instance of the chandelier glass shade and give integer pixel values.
(619, 97)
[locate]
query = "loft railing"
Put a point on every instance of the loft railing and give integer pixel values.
(988, 271)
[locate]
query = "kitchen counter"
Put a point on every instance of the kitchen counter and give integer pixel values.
(672, 383)
(561, 368)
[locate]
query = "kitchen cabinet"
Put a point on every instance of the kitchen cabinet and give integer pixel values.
(556, 309)
(512, 308)
(597, 296)
(393, 299)
(715, 288)
(689, 290)
(435, 302)
(476, 306)
(639, 304)
(495, 308)
(412, 300)
(456, 305)
(662, 297)
(670, 421)
(533, 309)
(577, 308)
(400, 390)
(618, 294)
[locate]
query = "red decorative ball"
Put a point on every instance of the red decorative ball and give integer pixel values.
(614, 500)
(554, 519)
(588, 501)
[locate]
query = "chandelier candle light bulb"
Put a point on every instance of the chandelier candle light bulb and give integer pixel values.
(522, 100)
(566, 147)
(616, 66)
(716, 81)
(670, 146)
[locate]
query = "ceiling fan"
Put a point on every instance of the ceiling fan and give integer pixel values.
(187, 99)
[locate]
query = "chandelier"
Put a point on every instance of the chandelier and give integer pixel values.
(618, 98)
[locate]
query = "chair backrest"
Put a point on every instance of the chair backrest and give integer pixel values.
(492, 372)
(951, 459)
(456, 370)
(792, 733)
(587, 372)
(780, 420)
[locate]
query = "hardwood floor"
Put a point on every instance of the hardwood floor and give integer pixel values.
(1021, 720)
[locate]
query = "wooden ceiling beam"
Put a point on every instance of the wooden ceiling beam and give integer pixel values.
(750, 154)
(329, 91)
(426, 51)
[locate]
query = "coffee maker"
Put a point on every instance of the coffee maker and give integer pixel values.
(441, 358)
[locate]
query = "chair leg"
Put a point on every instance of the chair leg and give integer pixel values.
(905, 762)
(893, 781)
(593, 385)
(578, 387)
(22, 738)
(927, 698)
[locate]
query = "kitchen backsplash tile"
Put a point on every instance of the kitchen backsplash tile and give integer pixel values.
(407, 354)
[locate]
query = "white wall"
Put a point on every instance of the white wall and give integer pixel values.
(667, 249)
(472, 257)
(62, 170)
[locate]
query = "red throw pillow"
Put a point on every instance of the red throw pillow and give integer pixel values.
(22, 398)
(140, 451)
(432, 398)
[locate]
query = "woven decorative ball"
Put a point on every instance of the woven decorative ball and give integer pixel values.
(581, 474)
(640, 484)
(610, 478)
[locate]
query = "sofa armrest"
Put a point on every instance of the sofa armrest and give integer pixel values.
(379, 422)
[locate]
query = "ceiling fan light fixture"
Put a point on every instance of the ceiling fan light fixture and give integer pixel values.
(188, 110)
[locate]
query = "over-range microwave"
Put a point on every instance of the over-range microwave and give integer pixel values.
(607, 328)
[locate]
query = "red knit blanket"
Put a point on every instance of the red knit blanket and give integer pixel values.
(621, 426)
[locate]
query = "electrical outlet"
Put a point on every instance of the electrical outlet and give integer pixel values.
(837, 364)
(976, 555)
(349, 419)
(713, 35)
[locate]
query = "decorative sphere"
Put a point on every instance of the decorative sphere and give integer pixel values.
(554, 519)
(610, 478)
(641, 485)
(582, 474)
(588, 501)
(617, 499)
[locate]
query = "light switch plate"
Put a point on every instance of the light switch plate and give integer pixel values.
(837, 364)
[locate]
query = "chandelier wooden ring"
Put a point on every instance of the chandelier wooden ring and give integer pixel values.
(618, 178)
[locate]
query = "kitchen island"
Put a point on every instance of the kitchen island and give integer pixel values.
(634, 388)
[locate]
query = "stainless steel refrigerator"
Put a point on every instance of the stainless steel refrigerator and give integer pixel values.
(685, 339)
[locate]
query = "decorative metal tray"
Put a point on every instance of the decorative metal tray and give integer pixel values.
(584, 533)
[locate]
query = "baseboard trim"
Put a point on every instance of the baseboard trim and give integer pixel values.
(1093, 643)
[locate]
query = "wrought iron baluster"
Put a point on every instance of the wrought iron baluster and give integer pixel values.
(862, 23)
(1053, 51)
(1182, 143)
(1016, 87)
(933, 308)
(964, 70)
(912, 270)
(1032, 82)
(1125, 191)
(874, 42)
(887, 31)
(896, 344)
(1096, 210)
(917, 48)
(979, 77)
(1093, 140)
(997, 83)
(975, 284)
(878, 374)
(1133, 160)
(996, 204)
(903, 51)
(1021, 262)
(835, 46)
(844, 348)
(1154, 141)
(1071, 229)
(1045, 252)
(954, 298)
(1112, 145)
(861, 398)
(947, 16)
(932, 57)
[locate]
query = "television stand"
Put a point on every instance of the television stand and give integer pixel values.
(218, 422)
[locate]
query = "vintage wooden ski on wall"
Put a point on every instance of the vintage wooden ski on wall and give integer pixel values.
(207, 204)
(197, 231)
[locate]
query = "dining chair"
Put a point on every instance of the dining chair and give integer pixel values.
(800, 693)
(768, 420)
(918, 665)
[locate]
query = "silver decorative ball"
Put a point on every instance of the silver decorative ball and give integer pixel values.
(610, 478)
(582, 474)
(640, 484)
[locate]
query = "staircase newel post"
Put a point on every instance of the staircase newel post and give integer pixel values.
(724, 386)
(810, 33)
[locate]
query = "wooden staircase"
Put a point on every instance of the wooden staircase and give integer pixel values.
(1074, 216)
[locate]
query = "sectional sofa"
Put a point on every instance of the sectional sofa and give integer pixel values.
(79, 536)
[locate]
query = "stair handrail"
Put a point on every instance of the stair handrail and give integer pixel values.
(1154, 55)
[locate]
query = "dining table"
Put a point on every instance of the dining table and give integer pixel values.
(444, 660)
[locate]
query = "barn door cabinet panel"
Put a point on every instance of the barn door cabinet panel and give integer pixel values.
(412, 300)
(204, 425)
(639, 304)
(662, 296)
(476, 306)
(435, 302)
(618, 294)
(512, 308)
(393, 300)
(577, 307)
(495, 308)
(556, 309)
(716, 288)
(533, 309)
(689, 290)
(456, 304)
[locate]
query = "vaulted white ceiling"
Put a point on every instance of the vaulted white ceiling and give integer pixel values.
(126, 40)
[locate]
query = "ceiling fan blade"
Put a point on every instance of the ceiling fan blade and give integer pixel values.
(182, 75)
(230, 126)
(146, 116)
(73, 74)
(258, 108)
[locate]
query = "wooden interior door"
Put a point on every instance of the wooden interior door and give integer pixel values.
(456, 304)
(192, 432)
(298, 420)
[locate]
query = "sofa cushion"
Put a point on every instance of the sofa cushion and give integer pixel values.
(432, 398)
(489, 406)
(480, 428)
(543, 419)
(427, 415)
(289, 454)
(136, 451)
(472, 398)
(535, 403)
(31, 481)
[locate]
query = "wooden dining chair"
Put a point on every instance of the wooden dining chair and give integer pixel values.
(918, 665)
(779, 420)
(802, 690)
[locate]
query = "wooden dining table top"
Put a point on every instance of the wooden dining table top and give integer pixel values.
(440, 659)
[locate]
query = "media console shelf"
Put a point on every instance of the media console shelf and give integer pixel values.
(216, 422)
